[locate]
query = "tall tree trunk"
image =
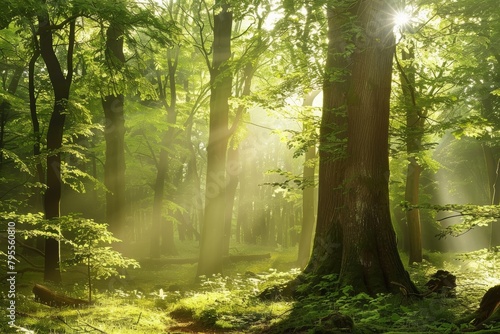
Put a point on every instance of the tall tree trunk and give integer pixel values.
(162, 236)
(211, 246)
(233, 158)
(233, 163)
(5, 106)
(114, 134)
(61, 87)
(355, 238)
(37, 135)
(192, 185)
(245, 199)
(37, 139)
(308, 215)
(413, 215)
(415, 128)
(156, 228)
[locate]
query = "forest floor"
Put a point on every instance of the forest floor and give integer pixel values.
(161, 297)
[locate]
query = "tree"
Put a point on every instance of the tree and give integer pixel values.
(61, 81)
(308, 195)
(354, 237)
(158, 238)
(415, 129)
(212, 236)
(114, 132)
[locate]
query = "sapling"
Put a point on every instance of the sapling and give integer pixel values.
(90, 244)
(89, 241)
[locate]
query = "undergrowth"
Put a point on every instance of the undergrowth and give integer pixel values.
(164, 298)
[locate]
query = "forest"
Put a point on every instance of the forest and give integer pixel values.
(252, 166)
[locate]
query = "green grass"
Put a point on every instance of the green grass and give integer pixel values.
(162, 298)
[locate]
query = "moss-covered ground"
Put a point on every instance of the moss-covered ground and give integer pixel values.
(165, 298)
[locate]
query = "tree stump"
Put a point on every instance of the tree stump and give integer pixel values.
(490, 303)
(442, 282)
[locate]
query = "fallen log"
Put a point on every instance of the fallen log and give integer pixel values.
(230, 258)
(45, 296)
(250, 257)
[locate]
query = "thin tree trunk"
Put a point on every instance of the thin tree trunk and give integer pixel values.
(414, 136)
(233, 164)
(34, 117)
(16, 77)
(156, 229)
(61, 87)
(245, 199)
(308, 215)
(37, 138)
(162, 236)
(413, 215)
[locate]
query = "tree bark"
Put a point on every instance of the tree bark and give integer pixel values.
(233, 163)
(114, 134)
(211, 245)
(245, 199)
(233, 158)
(162, 236)
(415, 128)
(355, 238)
(61, 89)
(308, 214)
(5, 106)
(34, 117)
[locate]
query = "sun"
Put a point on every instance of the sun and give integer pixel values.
(401, 18)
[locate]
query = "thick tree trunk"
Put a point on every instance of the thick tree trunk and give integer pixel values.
(114, 134)
(212, 238)
(61, 87)
(360, 243)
